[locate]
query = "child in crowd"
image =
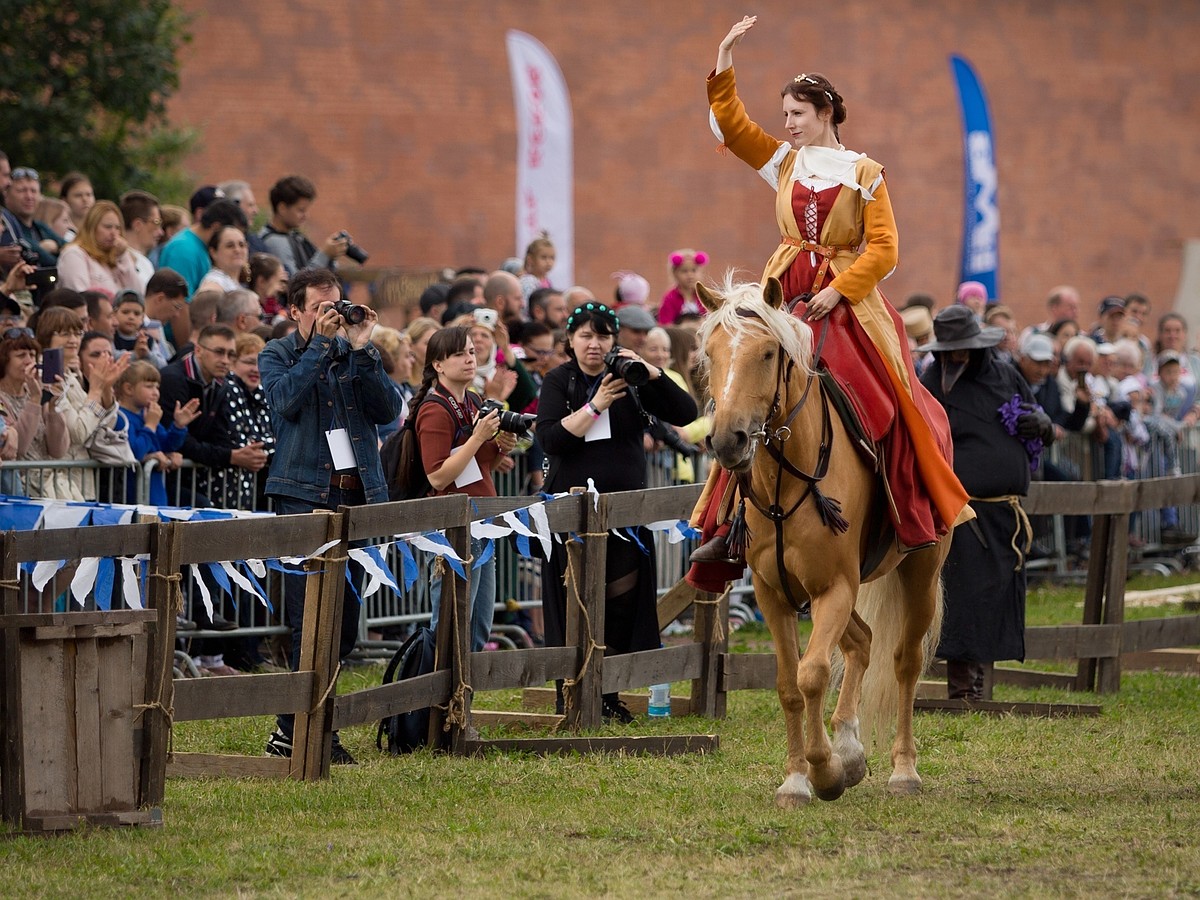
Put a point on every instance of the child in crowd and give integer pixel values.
(632, 289)
(682, 298)
(132, 332)
(137, 399)
(539, 260)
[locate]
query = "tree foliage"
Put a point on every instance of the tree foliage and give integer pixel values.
(84, 85)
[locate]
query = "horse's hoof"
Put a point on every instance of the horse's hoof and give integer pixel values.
(904, 786)
(831, 791)
(856, 768)
(850, 751)
(794, 792)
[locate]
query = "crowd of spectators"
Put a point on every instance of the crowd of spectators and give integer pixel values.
(150, 320)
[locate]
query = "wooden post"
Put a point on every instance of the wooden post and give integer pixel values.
(585, 626)
(324, 594)
(161, 593)
(1108, 669)
(12, 789)
(711, 631)
(1093, 597)
(448, 724)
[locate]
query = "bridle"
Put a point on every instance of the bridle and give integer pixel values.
(774, 440)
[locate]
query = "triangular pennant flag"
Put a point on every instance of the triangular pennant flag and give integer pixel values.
(20, 516)
(411, 570)
(44, 571)
(85, 579)
(489, 550)
(104, 583)
(205, 597)
(129, 583)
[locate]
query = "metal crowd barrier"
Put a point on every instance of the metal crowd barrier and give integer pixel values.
(1078, 457)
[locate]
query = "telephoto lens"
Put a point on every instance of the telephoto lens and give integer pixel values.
(633, 371)
(513, 423)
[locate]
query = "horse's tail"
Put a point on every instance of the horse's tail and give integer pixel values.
(881, 603)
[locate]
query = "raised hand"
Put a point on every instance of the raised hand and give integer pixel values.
(186, 413)
(731, 40)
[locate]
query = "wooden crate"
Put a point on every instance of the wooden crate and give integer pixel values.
(74, 697)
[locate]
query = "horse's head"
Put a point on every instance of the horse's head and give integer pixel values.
(744, 336)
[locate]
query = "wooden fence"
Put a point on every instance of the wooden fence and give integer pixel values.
(1097, 642)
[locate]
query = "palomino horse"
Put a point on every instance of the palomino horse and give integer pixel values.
(769, 405)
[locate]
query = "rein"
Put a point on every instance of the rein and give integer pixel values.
(829, 509)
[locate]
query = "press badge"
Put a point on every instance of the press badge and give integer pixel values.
(471, 474)
(341, 449)
(601, 429)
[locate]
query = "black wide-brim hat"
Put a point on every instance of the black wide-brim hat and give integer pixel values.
(956, 328)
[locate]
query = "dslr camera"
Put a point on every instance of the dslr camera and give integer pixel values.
(352, 313)
(355, 252)
(633, 371)
(513, 423)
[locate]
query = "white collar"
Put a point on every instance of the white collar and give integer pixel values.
(837, 165)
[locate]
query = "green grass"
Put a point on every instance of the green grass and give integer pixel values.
(1011, 807)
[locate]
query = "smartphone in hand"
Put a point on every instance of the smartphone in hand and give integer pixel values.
(52, 365)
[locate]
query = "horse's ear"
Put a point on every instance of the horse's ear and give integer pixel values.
(712, 302)
(773, 293)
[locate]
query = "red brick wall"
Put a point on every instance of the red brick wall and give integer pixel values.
(402, 113)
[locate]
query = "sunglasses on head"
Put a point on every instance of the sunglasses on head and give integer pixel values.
(24, 172)
(14, 333)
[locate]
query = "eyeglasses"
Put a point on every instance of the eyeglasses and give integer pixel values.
(539, 352)
(248, 361)
(14, 333)
(231, 353)
(23, 172)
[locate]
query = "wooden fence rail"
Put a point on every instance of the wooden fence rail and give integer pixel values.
(1096, 643)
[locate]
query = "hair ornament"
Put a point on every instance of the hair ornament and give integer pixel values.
(804, 77)
(677, 259)
(829, 95)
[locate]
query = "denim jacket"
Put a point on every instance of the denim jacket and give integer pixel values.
(317, 388)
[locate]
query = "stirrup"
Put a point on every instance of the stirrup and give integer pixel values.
(714, 550)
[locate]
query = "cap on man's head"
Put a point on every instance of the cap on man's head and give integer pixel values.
(635, 318)
(204, 196)
(1108, 304)
(1036, 346)
(1167, 357)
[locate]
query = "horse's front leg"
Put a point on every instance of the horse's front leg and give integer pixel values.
(847, 744)
(781, 619)
(831, 611)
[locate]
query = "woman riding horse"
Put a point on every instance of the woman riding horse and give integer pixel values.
(829, 200)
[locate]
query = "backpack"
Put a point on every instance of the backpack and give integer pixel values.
(408, 731)
(400, 454)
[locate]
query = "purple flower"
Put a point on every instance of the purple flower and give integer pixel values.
(1009, 413)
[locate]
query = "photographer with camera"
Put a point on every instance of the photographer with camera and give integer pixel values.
(291, 197)
(461, 439)
(592, 413)
(328, 394)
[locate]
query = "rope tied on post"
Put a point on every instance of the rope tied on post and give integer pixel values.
(175, 579)
(718, 625)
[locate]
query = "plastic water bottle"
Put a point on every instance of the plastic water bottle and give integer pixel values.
(660, 701)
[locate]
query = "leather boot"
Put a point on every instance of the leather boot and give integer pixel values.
(960, 680)
(716, 549)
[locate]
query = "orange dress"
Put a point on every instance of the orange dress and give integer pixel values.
(853, 224)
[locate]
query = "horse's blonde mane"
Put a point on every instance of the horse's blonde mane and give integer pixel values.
(793, 336)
